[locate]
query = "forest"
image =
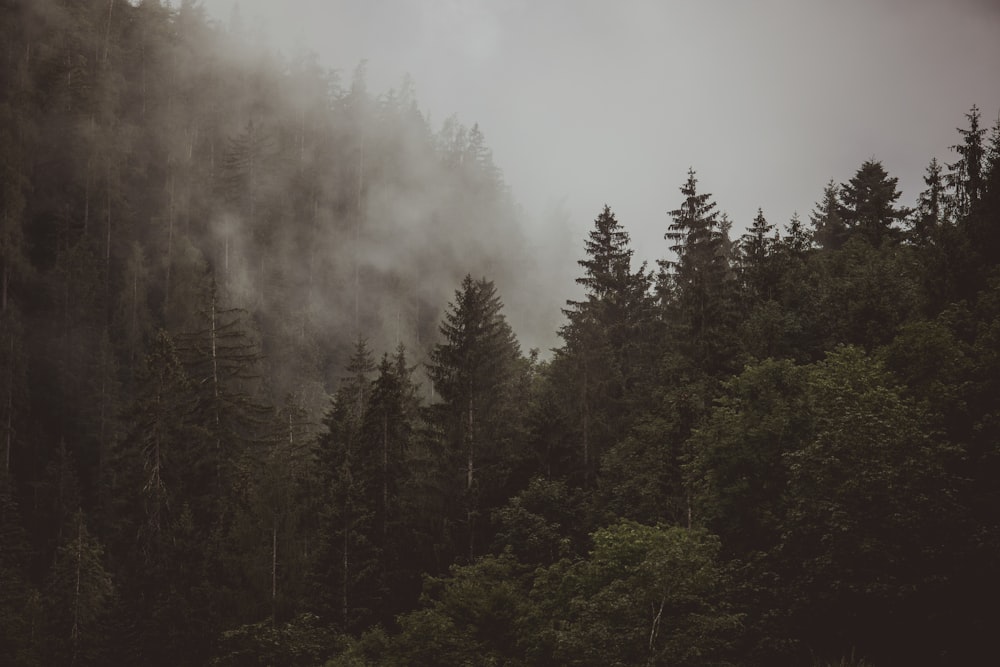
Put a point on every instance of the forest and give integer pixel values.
(262, 403)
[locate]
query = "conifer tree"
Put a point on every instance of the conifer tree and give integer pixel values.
(796, 239)
(344, 567)
(15, 622)
(867, 204)
(388, 428)
(758, 268)
(78, 595)
(932, 207)
(699, 281)
(607, 348)
(477, 370)
(829, 229)
(966, 175)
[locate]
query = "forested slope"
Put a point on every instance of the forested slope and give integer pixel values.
(260, 402)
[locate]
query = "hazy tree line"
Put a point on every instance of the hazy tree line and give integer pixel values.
(243, 422)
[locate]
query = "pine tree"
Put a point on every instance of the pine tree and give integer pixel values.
(221, 359)
(796, 239)
(758, 269)
(867, 204)
(932, 207)
(603, 364)
(13, 385)
(966, 175)
(477, 370)
(344, 566)
(159, 465)
(829, 229)
(387, 433)
(78, 596)
(984, 227)
(16, 592)
(699, 281)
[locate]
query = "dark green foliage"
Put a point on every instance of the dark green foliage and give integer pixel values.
(473, 616)
(867, 204)
(16, 596)
(543, 523)
(827, 475)
(77, 596)
(932, 209)
(698, 287)
(644, 595)
(829, 228)
(302, 641)
(345, 562)
(738, 466)
(966, 175)
(608, 349)
(480, 375)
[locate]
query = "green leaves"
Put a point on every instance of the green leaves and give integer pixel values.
(830, 476)
(645, 595)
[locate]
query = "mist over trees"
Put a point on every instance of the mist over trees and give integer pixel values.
(261, 401)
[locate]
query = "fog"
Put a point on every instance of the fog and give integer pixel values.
(587, 102)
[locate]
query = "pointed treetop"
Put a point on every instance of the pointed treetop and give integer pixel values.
(796, 238)
(829, 230)
(609, 256)
(966, 176)
(867, 203)
(696, 214)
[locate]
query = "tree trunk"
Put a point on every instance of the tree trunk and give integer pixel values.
(471, 450)
(75, 632)
(274, 568)
(586, 422)
(170, 242)
(346, 561)
(357, 238)
(655, 630)
(385, 475)
(9, 431)
(470, 516)
(107, 31)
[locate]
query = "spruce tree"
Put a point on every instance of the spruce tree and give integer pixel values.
(478, 372)
(607, 349)
(932, 207)
(966, 175)
(829, 229)
(698, 282)
(345, 562)
(758, 269)
(867, 204)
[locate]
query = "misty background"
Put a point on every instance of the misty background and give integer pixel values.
(586, 102)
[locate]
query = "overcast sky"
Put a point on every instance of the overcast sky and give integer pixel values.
(586, 102)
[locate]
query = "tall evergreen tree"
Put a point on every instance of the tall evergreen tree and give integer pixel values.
(796, 238)
(758, 269)
(829, 229)
(608, 352)
(78, 596)
(867, 204)
(698, 282)
(387, 431)
(932, 206)
(345, 562)
(966, 175)
(478, 371)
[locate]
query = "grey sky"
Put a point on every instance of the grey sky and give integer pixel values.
(586, 102)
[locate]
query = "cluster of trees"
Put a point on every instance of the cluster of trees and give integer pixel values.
(779, 448)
